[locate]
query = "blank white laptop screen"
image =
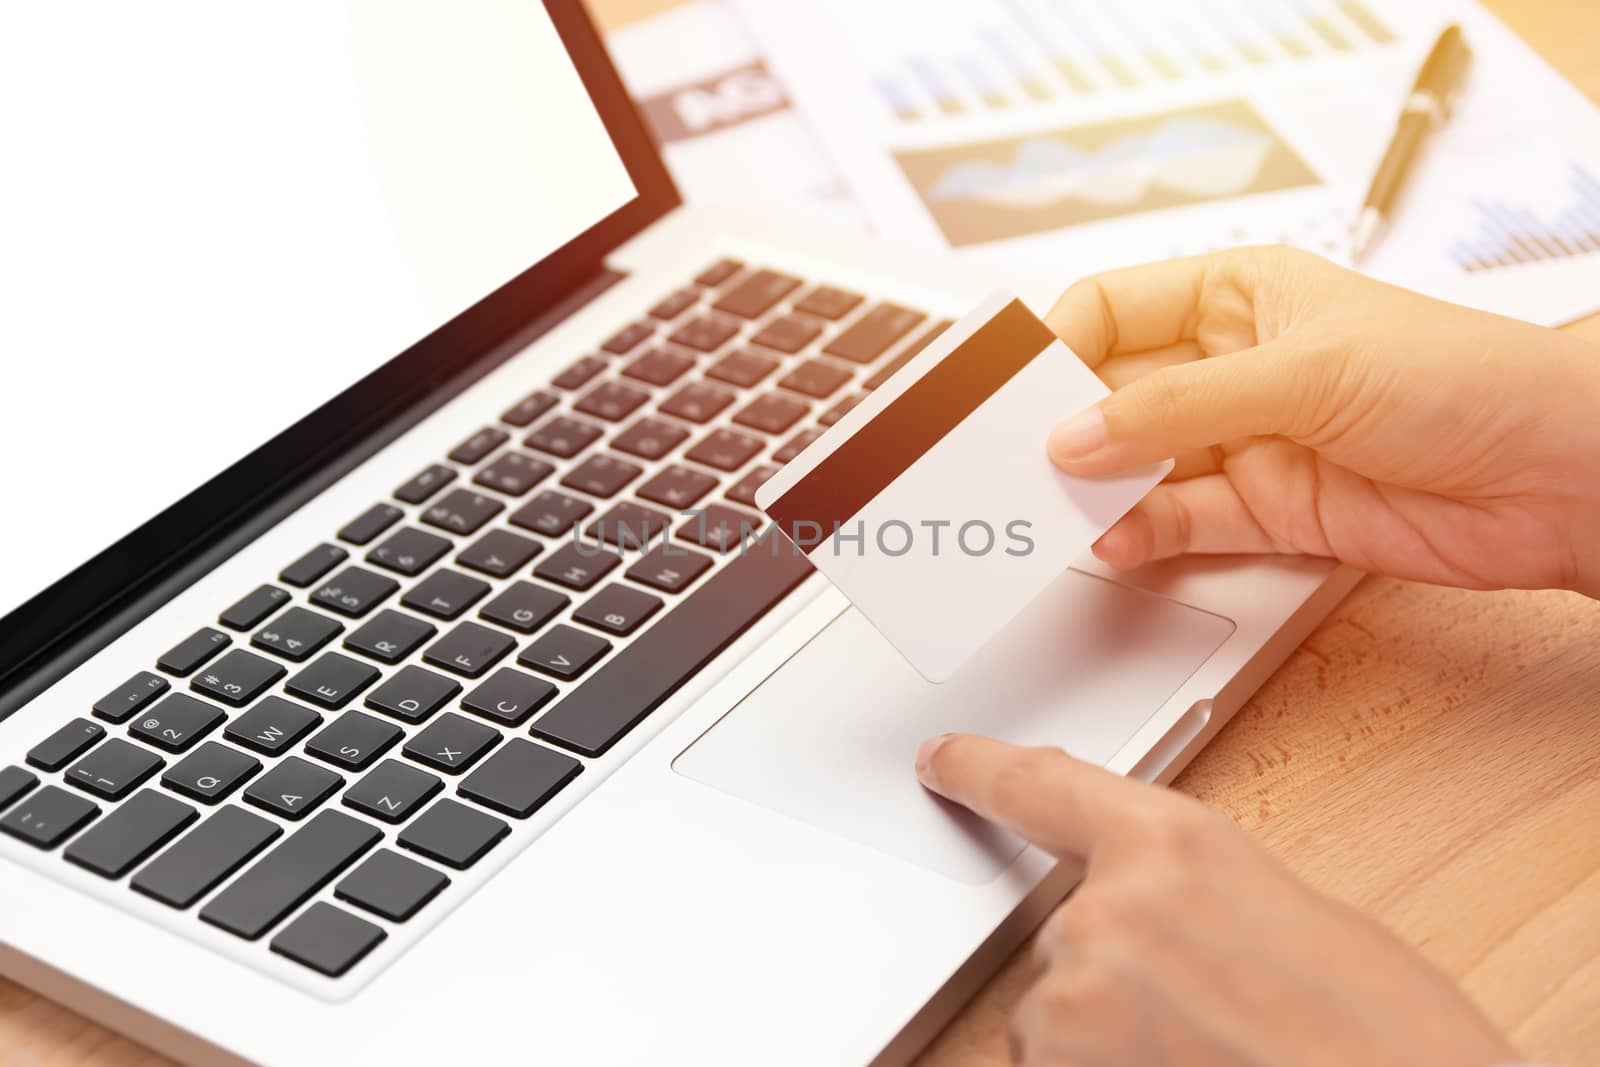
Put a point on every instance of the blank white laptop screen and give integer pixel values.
(214, 216)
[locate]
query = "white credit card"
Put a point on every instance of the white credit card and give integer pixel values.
(932, 504)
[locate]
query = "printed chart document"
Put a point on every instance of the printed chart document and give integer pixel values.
(721, 118)
(1061, 137)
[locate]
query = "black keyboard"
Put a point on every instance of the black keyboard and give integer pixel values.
(381, 713)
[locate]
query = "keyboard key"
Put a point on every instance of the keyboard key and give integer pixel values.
(677, 487)
(354, 740)
(500, 553)
(744, 490)
(366, 526)
(743, 368)
(706, 333)
(580, 373)
(462, 511)
(65, 745)
(254, 608)
(508, 697)
(520, 778)
(186, 657)
(815, 377)
(469, 649)
(290, 874)
(410, 551)
(675, 305)
(721, 528)
(564, 437)
(238, 678)
(211, 772)
(629, 526)
(772, 413)
(48, 817)
(445, 594)
(795, 445)
(297, 634)
(413, 694)
(718, 272)
(828, 302)
(564, 652)
(125, 700)
(514, 473)
(451, 743)
(616, 609)
(525, 607)
(659, 366)
(132, 832)
(293, 788)
(354, 591)
(869, 336)
(669, 568)
(390, 885)
(612, 401)
(15, 783)
(789, 334)
(698, 402)
(575, 567)
(840, 409)
(327, 939)
(628, 338)
(904, 356)
(426, 484)
(177, 722)
(639, 678)
(602, 475)
(272, 726)
(390, 636)
(551, 513)
(114, 769)
(206, 855)
(726, 450)
(313, 565)
(650, 438)
(392, 791)
(331, 681)
(479, 445)
(757, 294)
(529, 408)
(453, 834)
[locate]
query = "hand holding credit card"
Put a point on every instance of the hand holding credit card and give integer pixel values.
(932, 504)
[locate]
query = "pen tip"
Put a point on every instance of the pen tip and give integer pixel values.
(1364, 232)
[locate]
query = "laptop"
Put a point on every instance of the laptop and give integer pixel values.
(343, 721)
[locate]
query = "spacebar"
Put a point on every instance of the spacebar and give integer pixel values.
(643, 675)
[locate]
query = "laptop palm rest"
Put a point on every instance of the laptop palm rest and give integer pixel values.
(829, 737)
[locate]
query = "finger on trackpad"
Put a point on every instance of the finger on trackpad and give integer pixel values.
(829, 738)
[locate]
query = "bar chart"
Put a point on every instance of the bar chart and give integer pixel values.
(1511, 235)
(1014, 54)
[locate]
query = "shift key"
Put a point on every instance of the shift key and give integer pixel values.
(872, 334)
(288, 875)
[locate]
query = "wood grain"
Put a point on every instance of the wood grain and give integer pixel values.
(1429, 755)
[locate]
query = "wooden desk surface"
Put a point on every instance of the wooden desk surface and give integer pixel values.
(1429, 755)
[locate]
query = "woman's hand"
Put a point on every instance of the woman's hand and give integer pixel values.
(1187, 944)
(1313, 410)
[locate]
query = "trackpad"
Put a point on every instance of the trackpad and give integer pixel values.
(829, 738)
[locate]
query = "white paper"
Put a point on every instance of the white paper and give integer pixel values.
(1064, 137)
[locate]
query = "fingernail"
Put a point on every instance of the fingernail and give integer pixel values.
(925, 753)
(1080, 435)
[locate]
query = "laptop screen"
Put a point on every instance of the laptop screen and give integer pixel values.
(218, 216)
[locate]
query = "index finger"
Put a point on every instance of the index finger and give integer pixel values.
(1133, 309)
(1061, 804)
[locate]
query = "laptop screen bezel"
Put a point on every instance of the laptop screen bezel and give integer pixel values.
(55, 624)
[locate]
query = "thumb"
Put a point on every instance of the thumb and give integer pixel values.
(1268, 390)
(1061, 804)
